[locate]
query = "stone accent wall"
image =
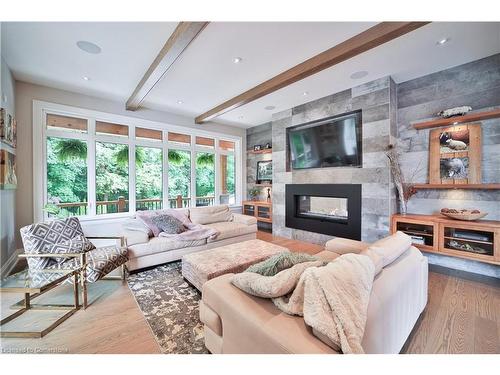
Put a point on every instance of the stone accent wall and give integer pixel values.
(476, 84)
(389, 110)
(377, 104)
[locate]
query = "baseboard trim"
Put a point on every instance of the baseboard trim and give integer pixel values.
(490, 280)
(10, 263)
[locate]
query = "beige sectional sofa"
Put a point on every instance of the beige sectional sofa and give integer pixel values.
(145, 251)
(236, 322)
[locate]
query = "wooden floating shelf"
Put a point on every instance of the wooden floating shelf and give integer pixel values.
(458, 186)
(457, 119)
(264, 151)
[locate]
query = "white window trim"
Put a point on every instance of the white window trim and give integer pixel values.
(40, 134)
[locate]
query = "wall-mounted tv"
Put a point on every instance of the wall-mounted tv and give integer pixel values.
(330, 142)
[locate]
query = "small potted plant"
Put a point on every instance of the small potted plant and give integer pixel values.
(254, 193)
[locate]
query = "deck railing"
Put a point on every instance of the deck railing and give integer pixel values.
(121, 205)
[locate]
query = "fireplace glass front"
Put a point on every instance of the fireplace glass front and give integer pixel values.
(322, 208)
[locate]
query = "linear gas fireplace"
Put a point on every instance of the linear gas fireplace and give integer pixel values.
(332, 209)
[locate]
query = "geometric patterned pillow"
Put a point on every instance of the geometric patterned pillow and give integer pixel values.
(76, 245)
(168, 224)
(36, 237)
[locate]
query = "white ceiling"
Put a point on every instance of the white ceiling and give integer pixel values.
(205, 76)
(45, 53)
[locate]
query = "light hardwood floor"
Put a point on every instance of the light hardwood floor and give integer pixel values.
(462, 316)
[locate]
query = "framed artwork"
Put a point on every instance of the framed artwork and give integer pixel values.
(455, 155)
(8, 179)
(8, 128)
(264, 171)
(257, 147)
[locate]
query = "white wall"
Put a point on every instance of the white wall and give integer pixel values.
(26, 93)
(7, 197)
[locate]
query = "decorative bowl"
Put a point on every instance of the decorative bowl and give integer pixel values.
(467, 215)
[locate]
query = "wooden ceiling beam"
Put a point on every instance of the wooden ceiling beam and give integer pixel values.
(368, 39)
(180, 39)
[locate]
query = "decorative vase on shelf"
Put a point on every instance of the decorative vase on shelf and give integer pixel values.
(403, 207)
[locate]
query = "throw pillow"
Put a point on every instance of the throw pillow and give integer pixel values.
(280, 262)
(76, 245)
(168, 224)
(146, 217)
(210, 215)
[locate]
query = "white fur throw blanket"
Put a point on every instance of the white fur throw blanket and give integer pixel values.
(332, 299)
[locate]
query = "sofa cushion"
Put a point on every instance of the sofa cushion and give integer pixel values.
(168, 224)
(147, 216)
(279, 262)
(344, 246)
(160, 244)
(231, 229)
(391, 247)
(210, 214)
(136, 225)
(258, 321)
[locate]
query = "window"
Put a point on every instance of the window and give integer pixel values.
(148, 178)
(179, 178)
(111, 178)
(205, 179)
(83, 165)
(226, 145)
(67, 176)
(228, 176)
(179, 139)
(66, 123)
(108, 128)
(148, 134)
(205, 142)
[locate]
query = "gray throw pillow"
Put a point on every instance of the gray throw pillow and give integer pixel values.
(280, 262)
(168, 224)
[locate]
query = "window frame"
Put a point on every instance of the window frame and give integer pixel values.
(40, 133)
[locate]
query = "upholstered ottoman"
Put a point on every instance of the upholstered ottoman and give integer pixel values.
(199, 267)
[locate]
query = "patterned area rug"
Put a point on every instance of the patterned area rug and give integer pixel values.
(170, 306)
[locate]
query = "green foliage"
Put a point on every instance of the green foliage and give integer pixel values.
(122, 156)
(177, 157)
(69, 149)
(55, 211)
(67, 174)
(205, 174)
(254, 192)
(179, 173)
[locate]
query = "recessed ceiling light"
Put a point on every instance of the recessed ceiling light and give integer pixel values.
(358, 75)
(237, 60)
(442, 41)
(85, 78)
(269, 107)
(88, 47)
(305, 93)
(180, 102)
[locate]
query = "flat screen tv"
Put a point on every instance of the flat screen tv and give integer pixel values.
(330, 142)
